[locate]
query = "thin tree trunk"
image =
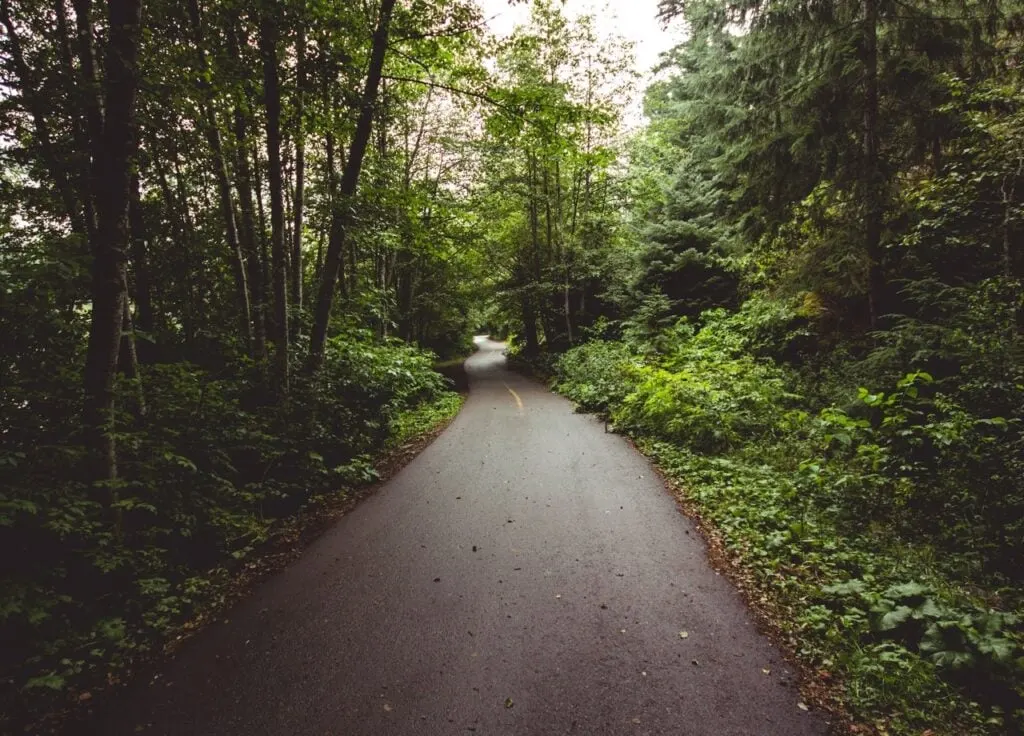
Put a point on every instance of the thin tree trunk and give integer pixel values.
(128, 357)
(300, 180)
(263, 242)
(195, 250)
(332, 191)
(212, 132)
(1009, 192)
(183, 236)
(347, 190)
(111, 166)
(272, 101)
(144, 317)
(563, 248)
(247, 235)
(91, 97)
(532, 278)
(244, 190)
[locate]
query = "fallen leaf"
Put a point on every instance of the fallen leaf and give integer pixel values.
(767, 672)
(684, 634)
(508, 702)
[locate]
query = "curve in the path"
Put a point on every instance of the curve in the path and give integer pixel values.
(526, 574)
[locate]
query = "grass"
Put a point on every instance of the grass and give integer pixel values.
(424, 419)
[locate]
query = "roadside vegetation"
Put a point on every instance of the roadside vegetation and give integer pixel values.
(222, 294)
(236, 240)
(811, 317)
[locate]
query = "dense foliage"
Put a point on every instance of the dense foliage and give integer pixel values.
(232, 231)
(178, 178)
(102, 577)
(817, 332)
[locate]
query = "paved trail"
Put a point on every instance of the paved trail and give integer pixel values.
(526, 574)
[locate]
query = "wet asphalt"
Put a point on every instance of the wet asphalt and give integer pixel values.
(526, 574)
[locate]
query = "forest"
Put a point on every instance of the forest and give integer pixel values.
(238, 239)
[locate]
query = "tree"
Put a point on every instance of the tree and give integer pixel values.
(556, 129)
(112, 149)
(341, 210)
(279, 264)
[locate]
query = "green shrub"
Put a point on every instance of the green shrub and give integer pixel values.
(931, 469)
(597, 375)
(834, 502)
(203, 477)
(707, 404)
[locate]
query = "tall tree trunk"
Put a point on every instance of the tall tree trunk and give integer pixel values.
(91, 97)
(272, 102)
(196, 252)
(332, 192)
(144, 317)
(563, 248)
(347, 190)
(300, 178)
(872, 179)
(247, 234)
(247, 218)
(243, 188)
(212, 132)
(263, 242)
(183, 235)
(532, 268)
(529, 313)
(230, 229)
(111, 168)
(128, 358)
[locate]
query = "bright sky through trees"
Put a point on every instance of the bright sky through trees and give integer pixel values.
(634, 20)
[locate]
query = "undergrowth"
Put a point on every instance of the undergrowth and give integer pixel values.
(213, 473)
(884, 522)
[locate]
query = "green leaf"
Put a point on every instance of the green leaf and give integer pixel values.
(895, 618)
(907, 590)
(928, 610)
(50, 681)
(953, 660)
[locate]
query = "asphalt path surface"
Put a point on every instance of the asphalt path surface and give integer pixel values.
(526, 574)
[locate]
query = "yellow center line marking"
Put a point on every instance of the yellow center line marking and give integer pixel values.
(519, 402)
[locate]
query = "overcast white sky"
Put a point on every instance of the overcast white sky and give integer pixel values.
(634, 20)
